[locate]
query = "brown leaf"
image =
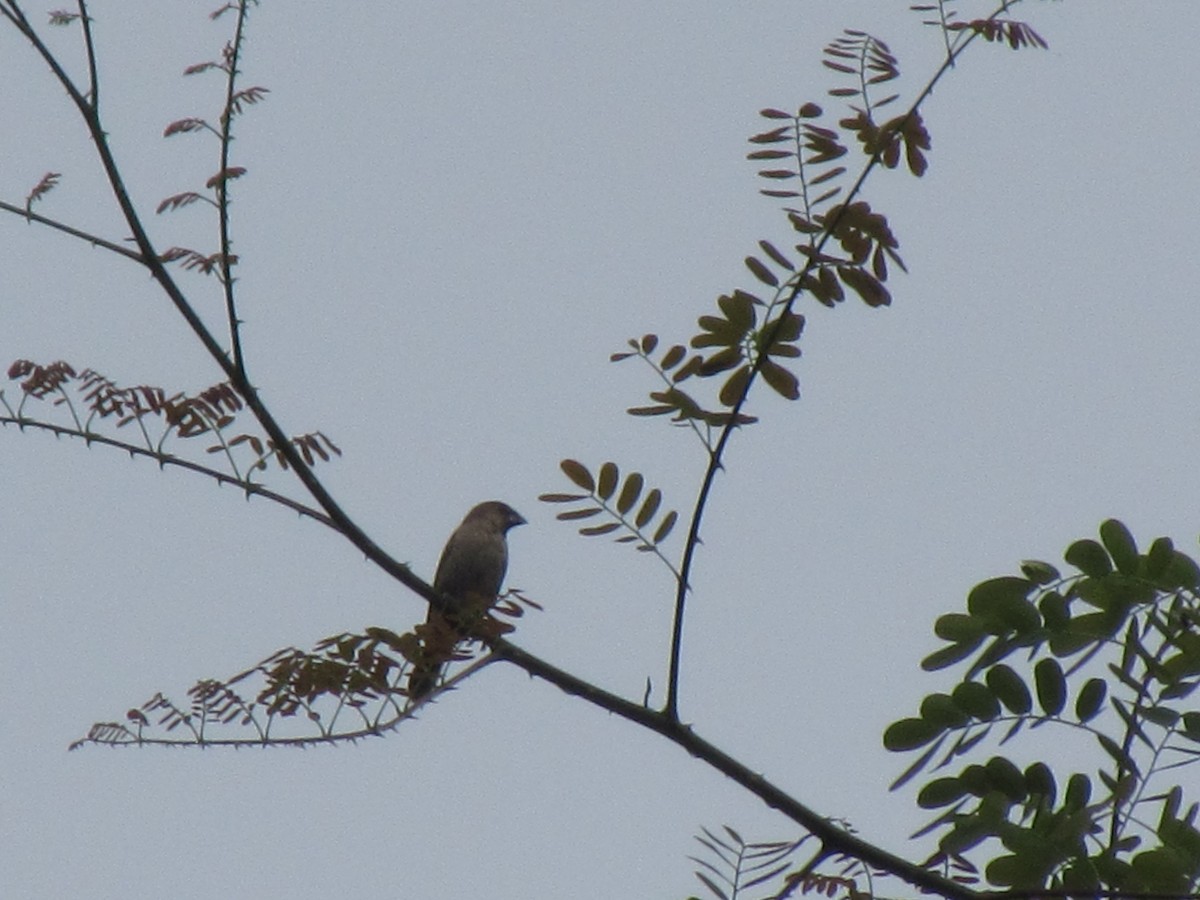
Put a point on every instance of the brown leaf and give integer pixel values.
(578, 473)
(780, 379)
(606, 484)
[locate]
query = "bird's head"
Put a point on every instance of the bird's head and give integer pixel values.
(499, 515)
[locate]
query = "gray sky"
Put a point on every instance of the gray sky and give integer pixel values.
(453, 214)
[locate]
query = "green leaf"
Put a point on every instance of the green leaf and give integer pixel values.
(1039, 572)
(940, 792)
(1191, 726)
(1120, 545)
(1009, 689)
(1089, 558)
(976, 780)
(918, 765)
(1182, 572)
(1039, 780)
(1002, 604)
(909, 734)
(959, 627)
(1162, 552)
(1051, 686)
(1119, 756)
(988, 598)
(976, 700)
(1055, 610)
(1162, 716)
(941, 710)
(1006, 778)
(968, 832)
(1079, 792)
(1090, 699)
(948, 656)
(1095, 625)
(1164, 869)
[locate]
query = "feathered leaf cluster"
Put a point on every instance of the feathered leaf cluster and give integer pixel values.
(745, 332)
(349, 686)
(1110, 651)
(91, 398)
(636, 513)
(45, 185)
(993, 29)
(732, 866)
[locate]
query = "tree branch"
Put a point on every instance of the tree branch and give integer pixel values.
(73, 232)
(835, 839)
(164, 459)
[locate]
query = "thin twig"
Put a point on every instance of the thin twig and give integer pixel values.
(165, 459)
(227, 279)
(73, 232)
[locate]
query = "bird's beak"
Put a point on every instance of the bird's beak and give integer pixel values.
(516, 519)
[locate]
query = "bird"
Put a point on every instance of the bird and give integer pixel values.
(468, 577)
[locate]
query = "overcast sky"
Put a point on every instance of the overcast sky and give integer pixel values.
(453, 214)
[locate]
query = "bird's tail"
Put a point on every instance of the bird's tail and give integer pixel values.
(422, 678)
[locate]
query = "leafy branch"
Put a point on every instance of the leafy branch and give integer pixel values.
(350, 686)
(601, 491)
(1127, 623)
(209, 412)
(854, 227)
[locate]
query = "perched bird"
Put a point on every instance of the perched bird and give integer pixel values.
(469, 575)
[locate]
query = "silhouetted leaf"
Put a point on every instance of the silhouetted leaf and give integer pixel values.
(578, 473)
(909, 734)
(940, 792)
(780, 379)
(673, 357)
(1120, 545)
(649, 507)
(734, 387)
(1009, 689)
(585, 513)
(606, 528)
(1090, 699)
(1089, 557)
(606, 484)
(665, 526)
(756, 267)
(977, 700)
(1051, 686)
(1039, 572)
(630, 492)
